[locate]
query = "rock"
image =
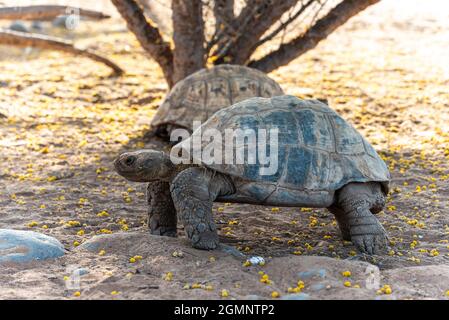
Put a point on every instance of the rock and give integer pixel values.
(81, 272)
(18, 26)
(422, 282)
(321, 273)
(37, 26)
(296, 296)
(25, 246)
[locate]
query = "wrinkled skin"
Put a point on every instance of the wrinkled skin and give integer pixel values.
(192, 191)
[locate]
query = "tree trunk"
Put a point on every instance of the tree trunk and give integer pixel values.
(310, 39)
(22, 39)
(46, 12)
(148, 36)
(188, 36)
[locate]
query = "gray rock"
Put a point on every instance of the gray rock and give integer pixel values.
(18, 26)
(321, 273)
(25, 246)
(296, 296)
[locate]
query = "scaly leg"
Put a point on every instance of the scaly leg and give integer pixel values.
(161, 211)
(356, 201)
(194, 191)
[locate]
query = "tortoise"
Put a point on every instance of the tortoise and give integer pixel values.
(206, 91)
(322, 162)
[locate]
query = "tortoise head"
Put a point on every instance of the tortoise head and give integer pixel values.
(144, 165)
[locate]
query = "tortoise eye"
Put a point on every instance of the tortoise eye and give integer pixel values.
(130, 160)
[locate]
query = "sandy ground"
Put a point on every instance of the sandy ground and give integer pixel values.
(386, 71)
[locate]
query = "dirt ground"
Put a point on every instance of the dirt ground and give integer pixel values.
(64, 120)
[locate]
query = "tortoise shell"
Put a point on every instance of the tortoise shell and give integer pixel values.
(203, 93)
(318, 152)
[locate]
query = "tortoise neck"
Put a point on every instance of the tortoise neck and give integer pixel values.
(177, 169)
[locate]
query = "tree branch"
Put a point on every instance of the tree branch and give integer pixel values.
(46, 12)
(253, 21)
(22, 39)
(148, 36)
(284, 25)
(310, 39)
(188, 36)
(223, 13)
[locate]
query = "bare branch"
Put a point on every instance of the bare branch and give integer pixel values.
(309, 40)
(46, 12)
(285, 24)
(148, 36)
(223, 12)
(22, 39)
(188, 36)
(253, 21)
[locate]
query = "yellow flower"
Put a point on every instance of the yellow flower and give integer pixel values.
(275, 294)
(132, 260)
(168, 276)
(225, 293)
(102, 253)
(346, 273)
(32, 224)
(274, 209)
(386, 289)
(434, 253)
(77, 294)
(80, 233)
(347, 284)
(115, 293)
(103, 213)
(265, 279)
(76, 243)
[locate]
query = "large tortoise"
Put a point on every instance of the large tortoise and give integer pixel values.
(203, 93)
(322, 162)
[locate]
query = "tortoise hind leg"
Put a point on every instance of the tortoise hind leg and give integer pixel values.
(194, 191)
(357, 201)
(342, 223)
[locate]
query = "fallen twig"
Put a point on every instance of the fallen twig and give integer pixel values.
(22, 39)
(47, 12)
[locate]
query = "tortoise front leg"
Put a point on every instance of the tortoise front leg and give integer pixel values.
(161, 211)
(194, 191)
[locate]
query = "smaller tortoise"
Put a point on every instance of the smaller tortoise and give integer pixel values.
(203, 93)
(322, 162)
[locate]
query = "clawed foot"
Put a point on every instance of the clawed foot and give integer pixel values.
(203, 236)
(374, 242)
(164, 231)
